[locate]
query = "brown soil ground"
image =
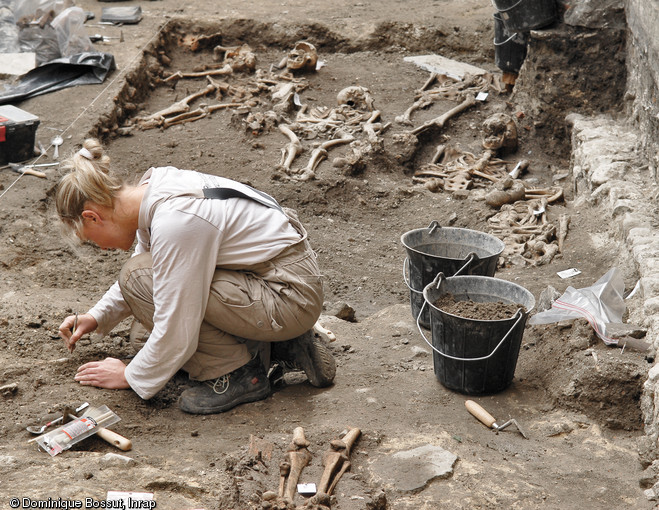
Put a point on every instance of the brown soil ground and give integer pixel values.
(577, 399)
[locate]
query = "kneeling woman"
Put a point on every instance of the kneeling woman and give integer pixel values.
(222, 278)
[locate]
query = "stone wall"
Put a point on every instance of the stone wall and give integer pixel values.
(600, 66)
(641, 97)
(643, 80)
(630, 143)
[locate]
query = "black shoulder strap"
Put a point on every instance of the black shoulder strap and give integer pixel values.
(259, 196)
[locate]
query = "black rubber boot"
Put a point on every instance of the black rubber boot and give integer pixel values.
(248, 383)
(306, 353)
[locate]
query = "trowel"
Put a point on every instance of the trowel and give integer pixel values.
(488, 420)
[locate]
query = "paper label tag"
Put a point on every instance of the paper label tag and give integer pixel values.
(306, 488)
(569, 273)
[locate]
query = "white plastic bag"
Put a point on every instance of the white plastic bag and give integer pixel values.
(71, 33)
(600, 304)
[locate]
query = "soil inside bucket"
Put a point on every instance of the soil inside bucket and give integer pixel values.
(490, 310)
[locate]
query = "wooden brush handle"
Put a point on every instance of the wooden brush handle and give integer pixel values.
(115, 439)
(481, 414)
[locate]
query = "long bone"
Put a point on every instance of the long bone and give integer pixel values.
(292, 150)
(424, 100)
(337, 460)
(155, 119)
(298, 457)
(441, 120)
(372, 128)
(320, 153)
(223, 71)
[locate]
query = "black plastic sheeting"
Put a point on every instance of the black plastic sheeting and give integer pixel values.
(81, 69)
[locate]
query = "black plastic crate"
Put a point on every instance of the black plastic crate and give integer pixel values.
(17, 133)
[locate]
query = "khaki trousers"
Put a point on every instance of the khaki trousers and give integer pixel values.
(247, 308)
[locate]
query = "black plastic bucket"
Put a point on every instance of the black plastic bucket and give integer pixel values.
(525, 15)
(447, 250)
(473, 356)
(509, 49)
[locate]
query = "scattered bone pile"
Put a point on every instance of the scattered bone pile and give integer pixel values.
(336, 461)
(269, 100)
(522, 221)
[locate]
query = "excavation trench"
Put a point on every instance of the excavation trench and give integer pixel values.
(577, 399)
(357, 212)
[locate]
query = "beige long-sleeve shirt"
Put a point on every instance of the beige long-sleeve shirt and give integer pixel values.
(188, 239)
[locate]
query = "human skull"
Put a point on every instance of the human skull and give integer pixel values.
(499, 132)
(302, 57)
(356, 97)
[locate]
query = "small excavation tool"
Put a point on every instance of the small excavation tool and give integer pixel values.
(104, 38)
(107, 435)
(28, 169)
(39, 429)
(488, 420)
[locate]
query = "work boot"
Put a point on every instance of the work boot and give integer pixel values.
(306, 353)
(248, 383)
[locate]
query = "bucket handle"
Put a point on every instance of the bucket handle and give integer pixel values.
(504, 42)
(434, 224)
(519, 314)
(472, 257)
(507, 9)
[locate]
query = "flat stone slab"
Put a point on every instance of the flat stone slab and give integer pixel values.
(446, 66)
(412, 470)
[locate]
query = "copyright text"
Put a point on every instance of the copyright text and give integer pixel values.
(65, 504)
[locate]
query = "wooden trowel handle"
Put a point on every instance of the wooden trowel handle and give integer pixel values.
(481, 414)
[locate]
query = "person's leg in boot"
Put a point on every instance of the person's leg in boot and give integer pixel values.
(288, 306)
(211, 394)
(225, 373)
(305, 353)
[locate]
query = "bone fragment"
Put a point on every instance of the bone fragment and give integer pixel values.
(320, 153)
(215, 107)
(331, 461)
(298, 460)
(441, 120)
(563, 225)
(293, 149)
(344, 467)
(284, 470)
(550, 194)
(178, 107)
(337, 460)
(520, 167)
(224, 70)
(431, 79)
(299, 441)
(479, 167)
(323, 332)
(497, 198)
(371, 128)
(422, 102)
(439, 152)
(184, 117)
(541, 252)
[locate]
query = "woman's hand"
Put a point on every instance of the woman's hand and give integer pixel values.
(74, 326)
(108, 373)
